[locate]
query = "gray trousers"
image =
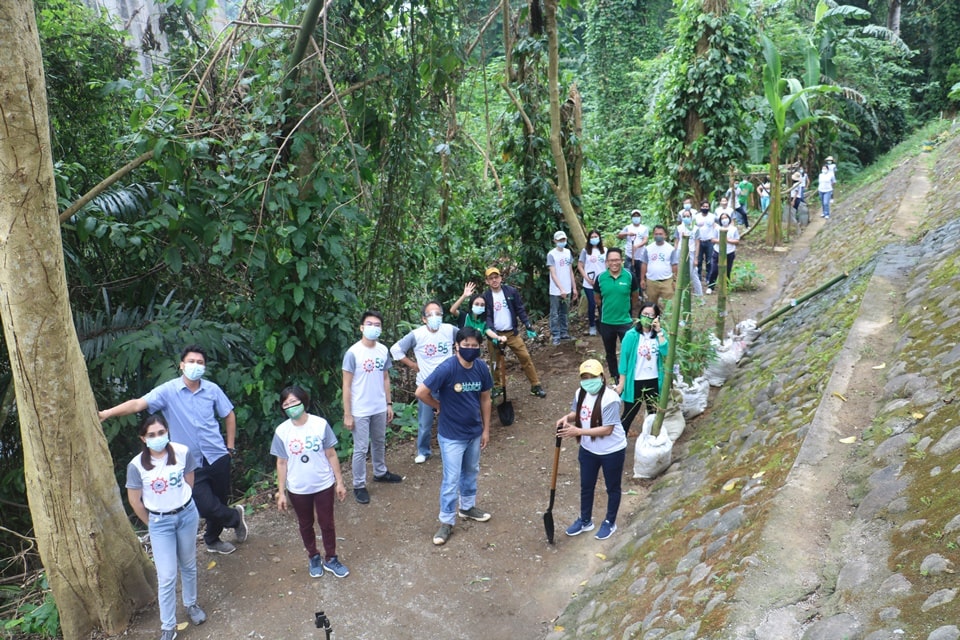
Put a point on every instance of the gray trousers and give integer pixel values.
(369, 432)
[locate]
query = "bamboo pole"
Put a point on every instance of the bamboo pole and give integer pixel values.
(683, 278)
(722, 285)
(798, 301)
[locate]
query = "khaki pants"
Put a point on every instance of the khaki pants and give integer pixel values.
(659, 289)
(519, 348)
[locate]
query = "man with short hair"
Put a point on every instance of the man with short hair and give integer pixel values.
(635, 235)
(367, 407)
(459, 390)
(432, 343)
(505, 315)
(563, 287)
(616, 291)
(704, 221)
(658, 267)
(191, 406)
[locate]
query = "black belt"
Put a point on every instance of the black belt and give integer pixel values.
(170, 513)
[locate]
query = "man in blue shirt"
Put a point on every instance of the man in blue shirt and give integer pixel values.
(191, 407)
(459, 389)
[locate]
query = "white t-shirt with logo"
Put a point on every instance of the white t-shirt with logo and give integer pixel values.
(610, 405)
(659, 259)
(429, 347)
(368, 390)
(304, 448)
(562, 262)
(594, 263)
(502, 321)
(648, 351)
(163, 488)
(641, 232)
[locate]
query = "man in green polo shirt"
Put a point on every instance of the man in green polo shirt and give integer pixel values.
(616, 290)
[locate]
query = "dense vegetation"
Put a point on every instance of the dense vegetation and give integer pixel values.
(405, 151)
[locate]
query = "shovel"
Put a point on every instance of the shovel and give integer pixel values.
(548, 514)
(505, 408)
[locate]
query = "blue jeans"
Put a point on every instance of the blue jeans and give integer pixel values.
(590, 466)
(591, 306)
(703, 258)
(174, 541)
(825, 198)
(424, 428)
(369, 432)
(461, 466)
(764, 203)
(558, 318)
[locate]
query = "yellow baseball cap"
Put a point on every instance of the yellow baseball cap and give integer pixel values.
(591, 367)
(490, 271)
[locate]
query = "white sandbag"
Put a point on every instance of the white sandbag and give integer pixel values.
(747, 329)
(652, 455)
(723, 365)
(738, 347)
(693, 397)
(673, 422)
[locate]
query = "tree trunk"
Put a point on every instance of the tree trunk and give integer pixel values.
(775, 217)
(893, 16)
(562, 186)
(95, 564)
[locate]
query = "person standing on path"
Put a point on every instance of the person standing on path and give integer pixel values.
(635, 237)
(825, 189)
(616, 291)
(763, 190)
(160, 490)
(367, 407)
(704, 221)
(687, 232)
(432, 343)
(658, 267)
(563, 287)
(641, 365)
(190, 406)
(594, 419)
(593, 262)
(733, 239)
(309, 477)
(459, 390)
(744, 190)
(506, 314)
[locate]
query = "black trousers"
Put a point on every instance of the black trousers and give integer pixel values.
(609, 334)
(211, 488)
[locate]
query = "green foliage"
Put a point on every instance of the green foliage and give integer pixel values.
(31, 610)
(745, 277)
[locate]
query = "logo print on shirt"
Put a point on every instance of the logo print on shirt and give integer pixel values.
(497, 306)
(644, 350)
(429, 350)
(295, 447)
(585, 413)
(159, 486)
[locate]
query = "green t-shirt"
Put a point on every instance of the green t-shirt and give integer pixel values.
(616, 294)
(746, 188)
(478, 324)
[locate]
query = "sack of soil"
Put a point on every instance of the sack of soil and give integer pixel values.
(653, 454)
(693, 397)
(724, 364)
(747, 329)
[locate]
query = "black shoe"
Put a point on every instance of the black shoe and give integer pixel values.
(537, 390)
(362, 495)
(388, 477)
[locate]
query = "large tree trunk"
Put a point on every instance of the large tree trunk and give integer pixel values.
(96, 567)
(562, 186)
(893, 16)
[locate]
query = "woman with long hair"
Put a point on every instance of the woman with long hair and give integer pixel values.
(592, 262)
(642, 354)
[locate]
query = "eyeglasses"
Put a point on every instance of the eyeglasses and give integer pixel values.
(372, 324)
(614, 260)
(434, 315)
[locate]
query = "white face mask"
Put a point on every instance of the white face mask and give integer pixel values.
(370, 332)
(434, 322)
(635, 219)
(193, 371)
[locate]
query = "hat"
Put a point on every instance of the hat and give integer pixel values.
(559, 235)
(796, 177)
(490, 271)
(829, 158)
(591, 367)
(635, 212)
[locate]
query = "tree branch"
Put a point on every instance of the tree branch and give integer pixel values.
(100, 188)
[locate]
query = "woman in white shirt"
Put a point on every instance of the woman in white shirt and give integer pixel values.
(160, 490)
(593, 262)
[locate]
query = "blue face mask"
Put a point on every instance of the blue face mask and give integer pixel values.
(635, 219)
(592, 385)
(594, 241)
(370, 332)
(193, 371)
(479, 311)
(158, 444)
(561, 245)
(687, 207)
(294, 411)
(434, 322)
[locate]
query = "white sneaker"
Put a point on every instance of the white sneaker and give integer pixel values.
(592, 331)
(420, 459)
(709, 291)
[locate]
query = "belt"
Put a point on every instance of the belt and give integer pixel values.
(170, 513)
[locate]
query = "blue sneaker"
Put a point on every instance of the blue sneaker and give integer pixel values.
(316, 566)
(579, 526)
(334, 566)
(606, 530)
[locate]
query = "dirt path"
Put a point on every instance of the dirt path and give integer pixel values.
(493, 580)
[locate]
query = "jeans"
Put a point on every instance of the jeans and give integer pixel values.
(369, 432)
(461, 466)
(764, 203)
(559, 308)
(825, 198)
(695, 285)
(211, 488)
(609, 334)
(424, 428)
(174, 541)
(590, 466)
(715, 268)
(703, 258)
(741, 212)
(591, 306)
(304, 505)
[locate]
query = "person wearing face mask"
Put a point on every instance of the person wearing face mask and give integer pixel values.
(309, 477)
(763, 190)
(593, 262)
(733, 239)
(476, 315)
(688, 232)
(160, 490)
(825, 189)
(635, 235)
(367, 407)
(641, 364)
(459, 389)
(191, 406)
(563, 287)
(658, 267)
(594, 420)
(432, 343)
(704, 220)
